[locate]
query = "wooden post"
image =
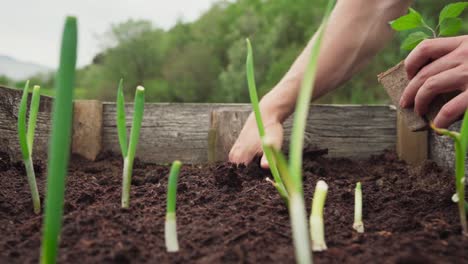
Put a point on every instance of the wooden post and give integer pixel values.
(412, 147)
(87, 128)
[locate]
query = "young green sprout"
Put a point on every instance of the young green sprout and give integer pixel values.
(317, 229)
(129, 152)
(278, 183)
(461, 144)
(292, 174)
(59, 143)
(26, 139)
(358, 225)
(170, 228)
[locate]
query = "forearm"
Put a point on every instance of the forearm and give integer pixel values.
(356, 32)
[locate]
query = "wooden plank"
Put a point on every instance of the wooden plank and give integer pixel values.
(442, 149)
(87, 128)
(345, 130)
(9, 102)
(169, 131)
(412, 147)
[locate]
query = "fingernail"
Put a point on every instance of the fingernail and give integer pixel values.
(403, 103)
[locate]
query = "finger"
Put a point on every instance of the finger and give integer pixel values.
(442, 64)
(451, 111)
(428, 51)
(264, 163)
(241, 155)
(443, 82)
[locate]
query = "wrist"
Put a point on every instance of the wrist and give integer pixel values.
(278, 104)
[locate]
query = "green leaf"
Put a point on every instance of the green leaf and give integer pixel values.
(22, 130)
(413, 40)
(452, 11)
(121, 120)
(410, 21)
(450, 27)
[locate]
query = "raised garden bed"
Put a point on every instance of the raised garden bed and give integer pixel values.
(232, 215)
(225, 213)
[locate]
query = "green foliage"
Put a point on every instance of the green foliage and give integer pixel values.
(172, 186)
(410, 21)
(128, 153)
(449, 24)
(60, 142)
(26, 139)
(461, 147)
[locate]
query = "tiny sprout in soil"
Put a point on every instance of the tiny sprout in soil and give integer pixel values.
(129, 152)
(317, 229)
(26, 138)
(170, 228)
(358, 225)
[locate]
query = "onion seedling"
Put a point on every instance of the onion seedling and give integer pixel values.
(59, 148)
(292, 174)
(129, 152)
(278, 183)
(358, 225)
(461, 144)
(317, 229)
(26, 139)
(170, 228)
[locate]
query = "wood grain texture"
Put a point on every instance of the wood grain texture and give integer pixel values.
(442, 149)
(168, 132)
(87, 128)
(9, 103)
(412, 147)
(346, 131)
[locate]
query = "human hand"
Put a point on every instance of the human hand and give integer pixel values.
(248, 145)
(435, 67)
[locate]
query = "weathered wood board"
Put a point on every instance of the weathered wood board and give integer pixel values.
(442, 149)
(345, 130)
(9, 103)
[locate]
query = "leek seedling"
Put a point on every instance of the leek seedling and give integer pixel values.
(59, 142)
(278, 183)
(26, 139)
(358, 224)
(292, 174)
(317, 229)
(461, 144)
(129, 152)
(170, 228)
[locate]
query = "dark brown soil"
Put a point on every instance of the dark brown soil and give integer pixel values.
(232, 215)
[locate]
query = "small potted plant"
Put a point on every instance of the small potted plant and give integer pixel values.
(395, 80)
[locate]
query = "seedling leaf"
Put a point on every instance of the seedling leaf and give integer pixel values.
(452, 11)
(22, 122)
(410, 21)
(413, 40)
(450, 27)
(121, 120)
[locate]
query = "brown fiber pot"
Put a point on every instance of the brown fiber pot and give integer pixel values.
(395, 81)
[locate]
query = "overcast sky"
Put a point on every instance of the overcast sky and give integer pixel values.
(30, 30)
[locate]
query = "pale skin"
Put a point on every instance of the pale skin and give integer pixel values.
(434, 67)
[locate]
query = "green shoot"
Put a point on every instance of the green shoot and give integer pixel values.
(461, 144)
(317, 229)
(292, 174)
(449, 24)
(170, 228)
(358, 225)
(60, 142)
(129, 153)
(26, 139)
(261, 129)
